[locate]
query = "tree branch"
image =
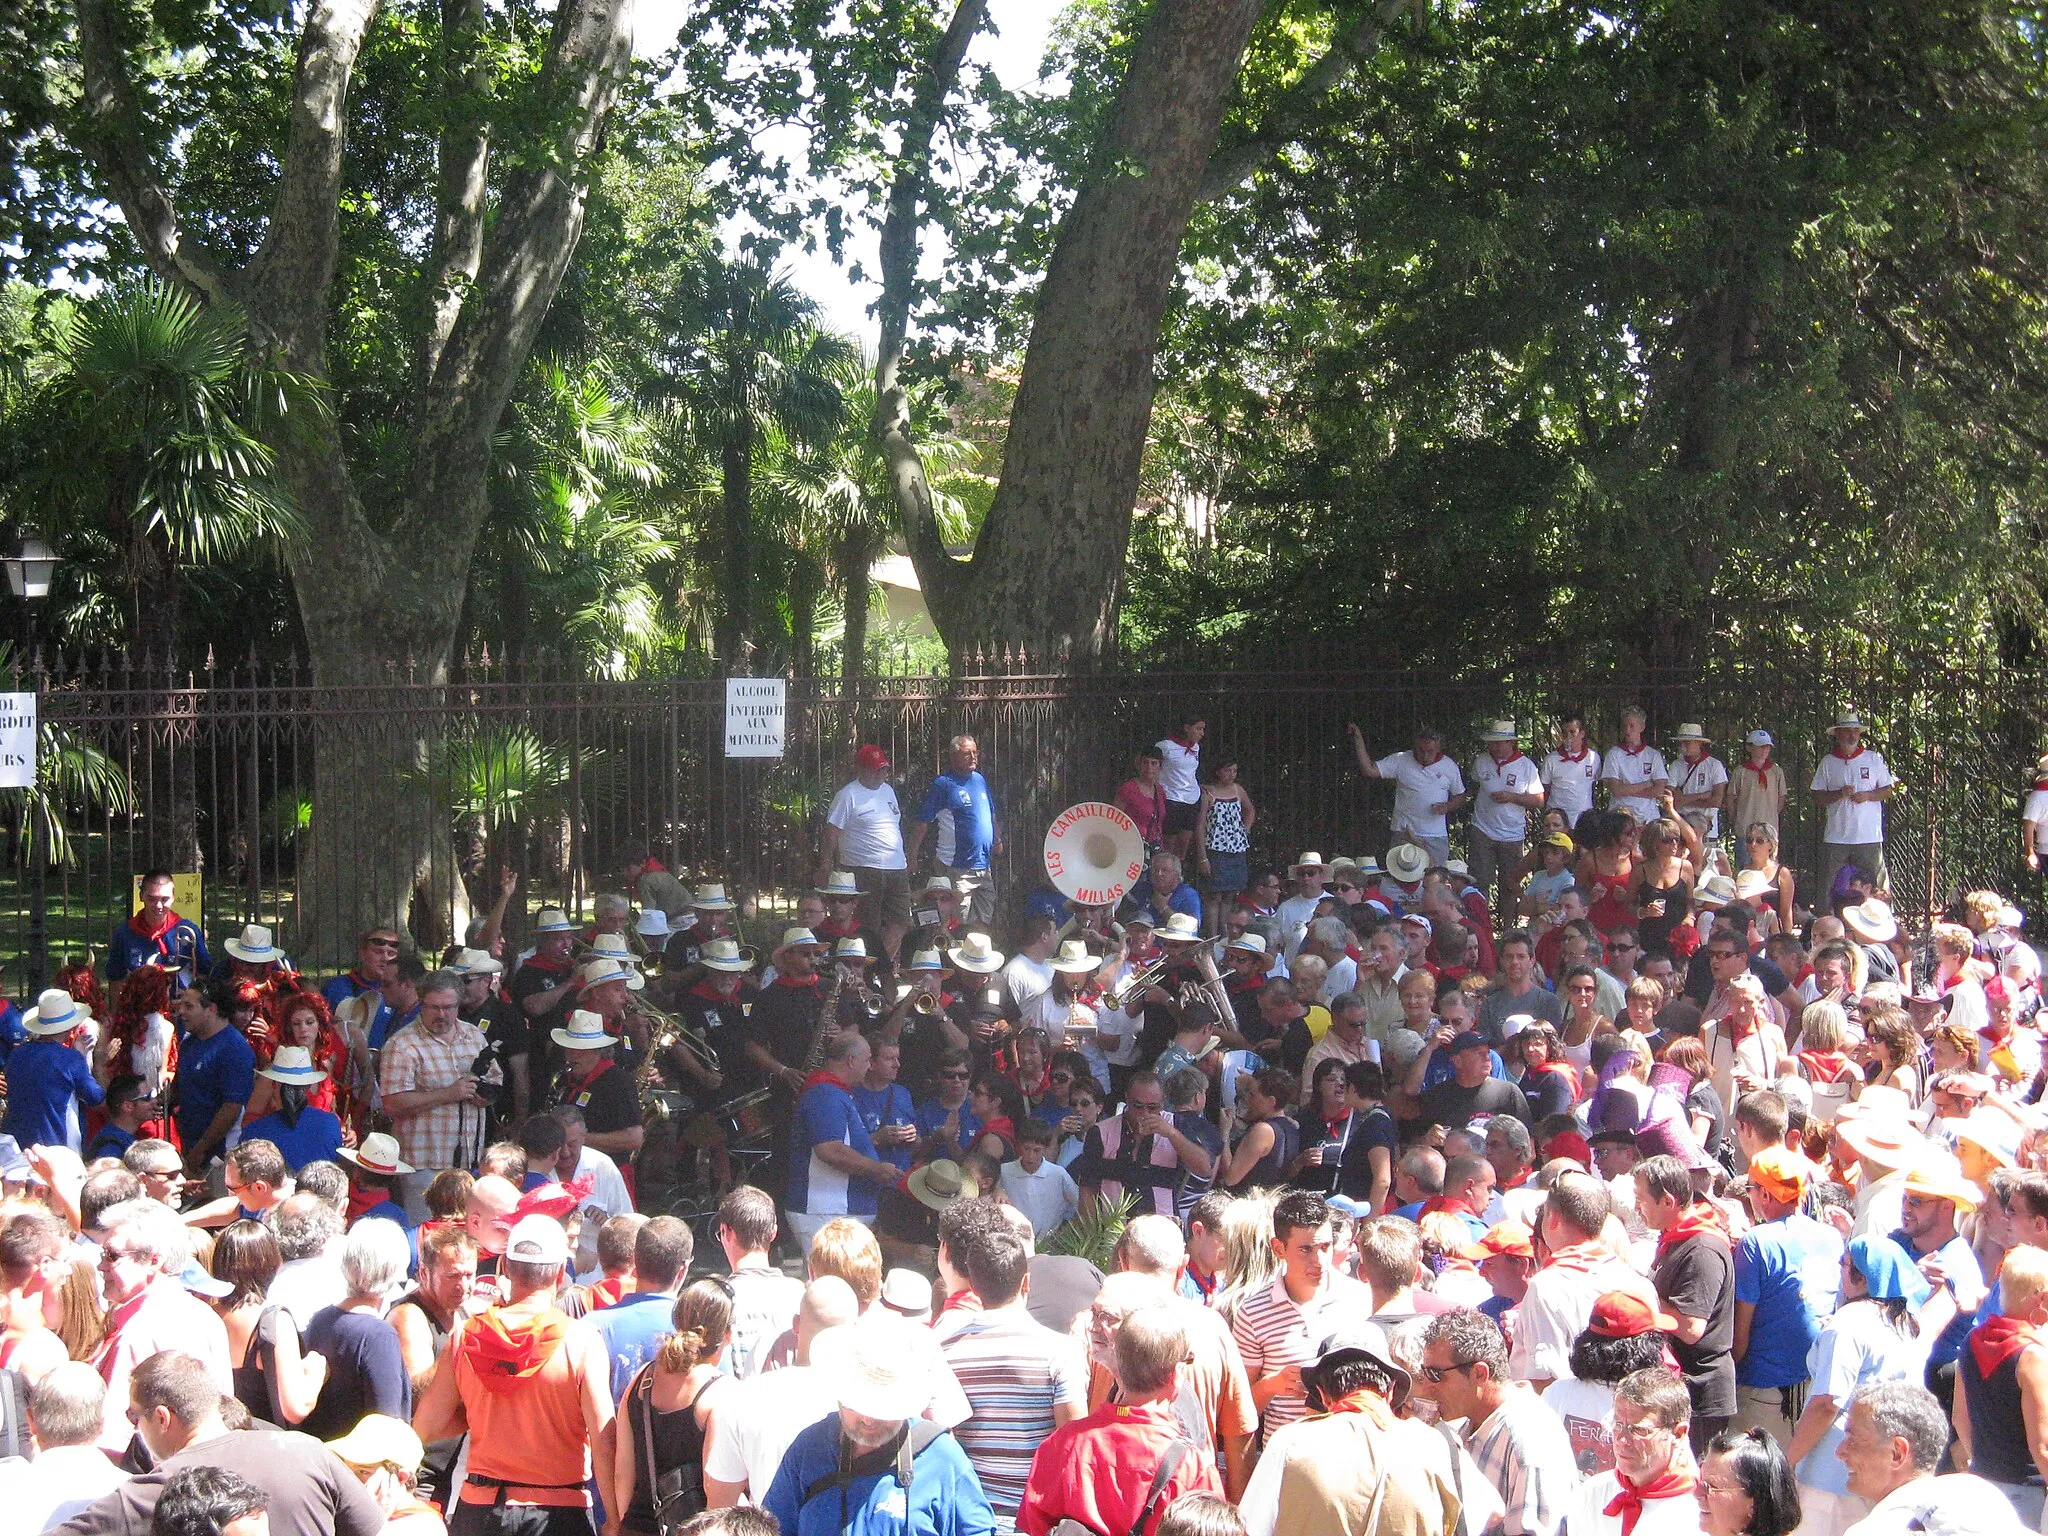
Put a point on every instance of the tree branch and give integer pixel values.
(462, 198)
(539, 220)
(939, 574)
(292, 275)
(1283, 122)
(113, 119)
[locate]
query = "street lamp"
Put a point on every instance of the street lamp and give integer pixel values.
(29, 573)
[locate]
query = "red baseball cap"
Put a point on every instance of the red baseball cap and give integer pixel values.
(871, 756)
(1507, 1237)
(1623, 1315)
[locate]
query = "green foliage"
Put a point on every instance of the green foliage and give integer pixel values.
(1093, 1231)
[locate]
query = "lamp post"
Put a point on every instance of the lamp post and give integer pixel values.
(29, 573)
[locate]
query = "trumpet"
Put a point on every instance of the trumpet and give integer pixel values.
(924, 1002)
(1135, 986)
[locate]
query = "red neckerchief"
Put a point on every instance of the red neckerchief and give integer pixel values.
(820, 1076)
(1518, 1180)
(652, 867)
(793, 982)
(1700, 1219)
(1761, 770)
(1575, 757)
(548, 967)
(503, 1352)
(1677, 1481)
(1190, 746)
(1207, 1287)
(1449, 1205)
(1997, 1340)
(607, 1292)
(711, 994)
(1367, 1404)
(1736, 1032)
(1579, 1258)
(1847, 757)
(556, 1200)
(2040, 783)
(1632, 751)
(1502, 762)
(1995, 1033)
(362, 1201)
(1825, 1066)
(157, 934)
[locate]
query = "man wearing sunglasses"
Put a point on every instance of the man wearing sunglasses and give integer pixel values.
(1517, 1442)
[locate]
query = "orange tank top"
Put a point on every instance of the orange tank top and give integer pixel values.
(531, 1440)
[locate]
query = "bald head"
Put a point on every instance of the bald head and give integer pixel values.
(1021, 1225)
(492, 1201)
(828, 1302)
(1153, 1245)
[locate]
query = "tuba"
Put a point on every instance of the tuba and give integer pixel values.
(1093, 854)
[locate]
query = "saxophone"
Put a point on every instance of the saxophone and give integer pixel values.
(828, 1021)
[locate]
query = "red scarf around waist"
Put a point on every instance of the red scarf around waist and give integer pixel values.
(1997, 1340)
(1699, 1219)
(504, 1352)
(1675, 1482)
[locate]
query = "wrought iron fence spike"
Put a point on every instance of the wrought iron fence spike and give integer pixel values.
(209, 656)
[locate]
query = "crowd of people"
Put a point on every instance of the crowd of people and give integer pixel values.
(1612, 1179)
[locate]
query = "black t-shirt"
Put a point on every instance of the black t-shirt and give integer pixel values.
(1374, 1128)
(1699, 976)
(365, 1372)
(781, 1025)
(505, 1028)
(722, 1021)
(1448, 1104)
(610, 1101)
(531, 979)
(1696, 1278)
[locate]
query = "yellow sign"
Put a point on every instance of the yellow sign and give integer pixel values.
(184, 895)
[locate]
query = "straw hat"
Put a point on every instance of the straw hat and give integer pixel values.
(1179, 928)
(1308, 861)
(1459, 867)
(936, 884)
(1752, 883)
(1690, 732)
(1360, 1341)
(254, 946)
(939, 1183)
(711, 898)
(975, 953)
(795, 938)
(1251, 943)
(293, 1066)
(724, 955)
(926, 960)
(585, 1032)
(1715, 891)
(57, 1013)
(851, 949)
(1871, 921)
(1995, 1132)
(1848, 720)
(1502, 730)
(1886, 1140)
(477, 962)
(378, 1154)
(600, 969)
(553, 920)
(613, 947)
(1074, 959)
(842, 883)
(1941, 1178)
(1407, 863)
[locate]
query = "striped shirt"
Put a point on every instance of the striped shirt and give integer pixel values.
(1274, 1331)
(1525, 1453)
(1013, 1371)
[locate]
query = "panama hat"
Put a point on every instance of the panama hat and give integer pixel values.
(936, 884)
(1459, 867)
(711, 898)
(1309, 861)
(613, 947)
(908, 1294)
(254, 946)
(1941, 1178)
(1502, 730)
(1690, 731)
(1368, 865)
(552, 920)
(601, 969)
(1871, 921)
(57, 1013)
(378, 1154)
(939, 1183)
(842, 884)
(477, 962)
(1848, 720)
(1993, 1131)
(725, 955)
(926, 960)
(852, 949)
(1752, 883)
(1359, 1341)
(1885, 1139)
(585, 1032)
(1251, 943)
(1406, 863)
(380, 1440)
(1714, 892)
(795, 938)
(1180, 928)
(877, 1369)
(975, 953)
(293, 1066)
(1074, 959)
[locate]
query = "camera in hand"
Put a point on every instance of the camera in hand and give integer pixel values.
(490, 1093)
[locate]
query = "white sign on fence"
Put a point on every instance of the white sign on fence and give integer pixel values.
(17, 740)
(754, 715)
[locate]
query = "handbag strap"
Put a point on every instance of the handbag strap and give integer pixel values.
(1176, 1450)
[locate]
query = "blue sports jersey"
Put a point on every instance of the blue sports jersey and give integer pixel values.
(963, 820)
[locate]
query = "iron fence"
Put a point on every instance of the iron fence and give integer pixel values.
(556, 775)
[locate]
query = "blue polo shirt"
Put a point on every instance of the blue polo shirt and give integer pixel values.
(315, 1138)
(963, 820)
(825, 1112)
(388, 1024)
(44, 1079)
(111, 1141)
(886, 1106)
(1789, 1270)
(128, 950)
(211, 1073)
(1184, 898)
(632, 1329)
(1958, 1262)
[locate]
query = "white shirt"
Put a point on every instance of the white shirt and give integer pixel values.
(608, 1197)
(1419, 786)
(1853, 821)
(1343, 977)
(1504, 823)
(870, 824)
(1677, 1516)
(305, 1286)
(1026, 978)
(1570, 782)
(2036, 811)
(759, 1419)
(1967, 1503)
(1645, 765)
(1293, 915)
(765, 1303)
(58, 1484)
(1177, 771)
(1048, 1197)
(1699, 778)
